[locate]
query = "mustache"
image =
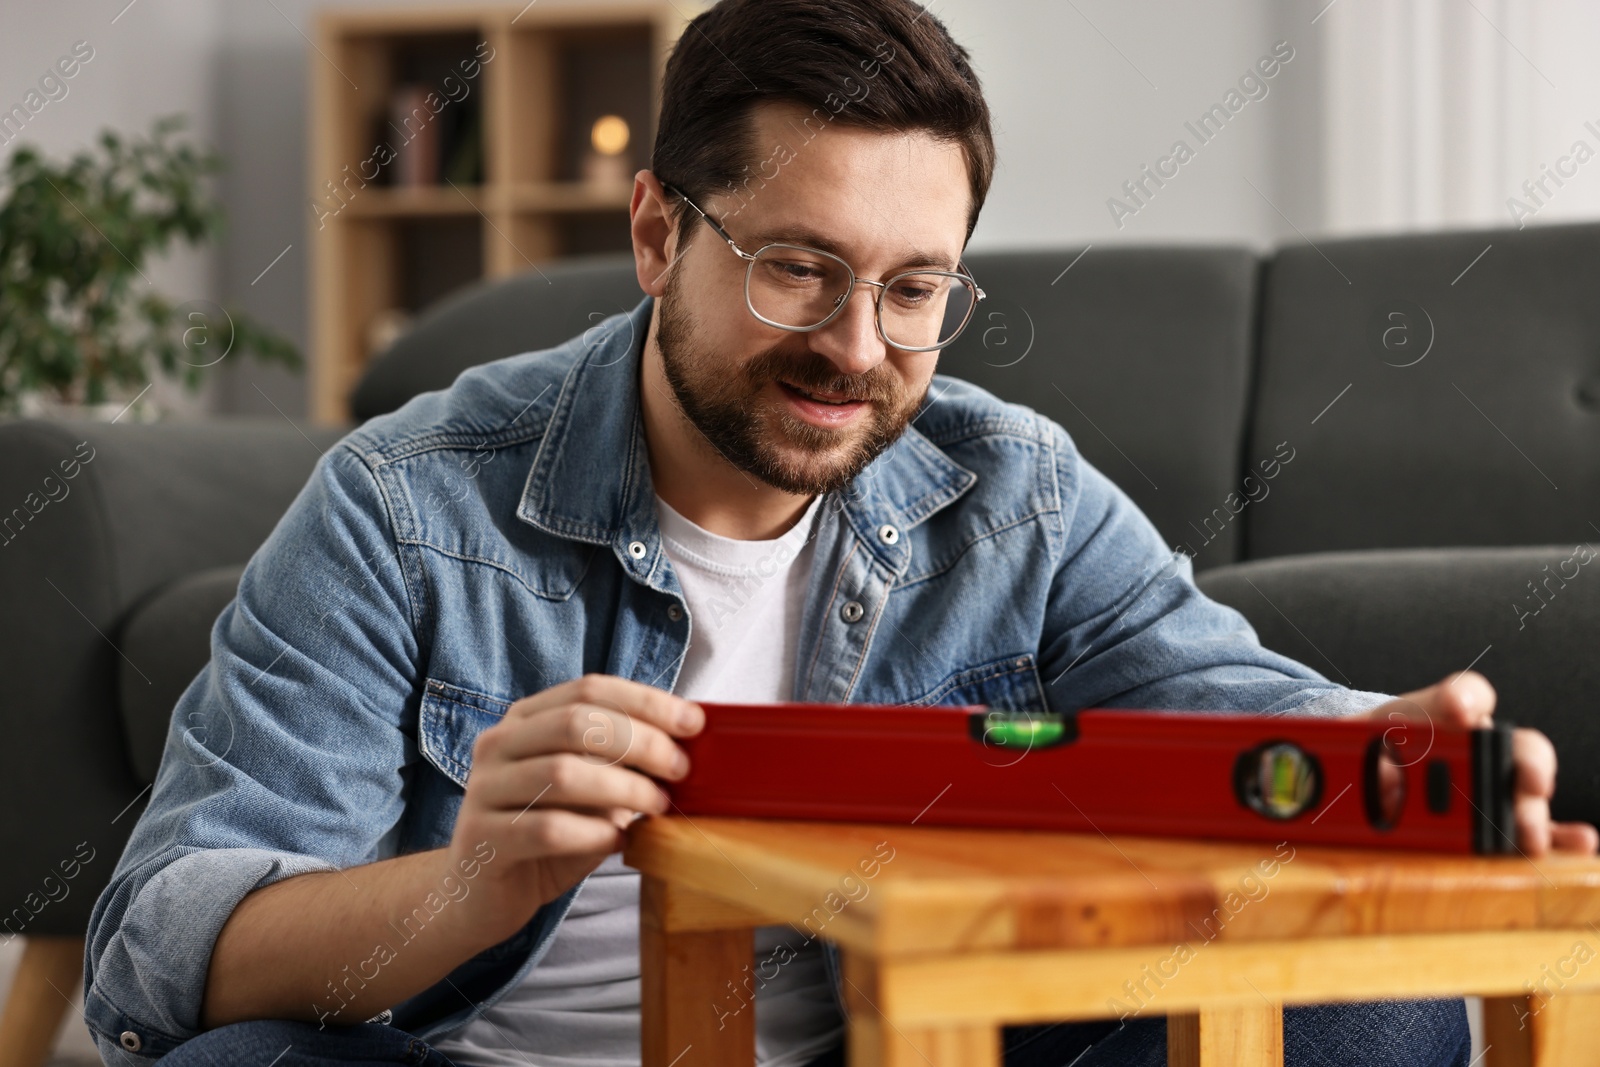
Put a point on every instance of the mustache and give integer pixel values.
(817, 374)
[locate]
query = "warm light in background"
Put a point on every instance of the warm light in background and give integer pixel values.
(610, 135)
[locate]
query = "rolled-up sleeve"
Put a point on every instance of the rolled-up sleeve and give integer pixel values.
(290, 752)
(1127, 627)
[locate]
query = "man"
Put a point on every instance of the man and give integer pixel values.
(451, 673)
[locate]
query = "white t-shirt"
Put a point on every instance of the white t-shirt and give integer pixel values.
(579, 1005)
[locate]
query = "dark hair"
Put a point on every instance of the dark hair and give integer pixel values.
(882, 65)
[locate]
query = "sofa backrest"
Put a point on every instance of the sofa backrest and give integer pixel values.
(1143, 354)
(494, 319)
(1436, 389)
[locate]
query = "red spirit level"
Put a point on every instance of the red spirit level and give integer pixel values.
(1183, 774)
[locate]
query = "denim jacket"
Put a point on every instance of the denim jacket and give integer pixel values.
(493, 539)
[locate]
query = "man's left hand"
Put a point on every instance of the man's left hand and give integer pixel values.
(1466, 700)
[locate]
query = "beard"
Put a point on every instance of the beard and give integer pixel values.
(758, 434)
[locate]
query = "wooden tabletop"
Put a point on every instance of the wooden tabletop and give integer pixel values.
(897, 890)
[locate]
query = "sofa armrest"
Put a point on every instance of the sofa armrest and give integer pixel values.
(1527, 618)
(168, 634)
(94, 517)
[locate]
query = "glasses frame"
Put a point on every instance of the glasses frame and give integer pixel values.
(839, 304)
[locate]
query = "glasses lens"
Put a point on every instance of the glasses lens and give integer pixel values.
(796, 286)
(926, 310)
(800, 287)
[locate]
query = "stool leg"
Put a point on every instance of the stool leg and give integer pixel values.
(1562, 1031)
(1249, 1035)
(695, 1008)
(50, 972)
(876, 1041)
(1508, 1028)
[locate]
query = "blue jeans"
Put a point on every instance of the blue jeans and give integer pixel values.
(1388, 1033)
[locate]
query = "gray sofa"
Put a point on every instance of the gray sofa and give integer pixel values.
(1381, 518)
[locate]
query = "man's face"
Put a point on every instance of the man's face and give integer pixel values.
(879, 200)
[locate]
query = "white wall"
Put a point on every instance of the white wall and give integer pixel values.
(152, 59)
(1439, 111)
(1086, 94)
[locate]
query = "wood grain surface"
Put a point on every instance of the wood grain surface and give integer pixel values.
(948, 890)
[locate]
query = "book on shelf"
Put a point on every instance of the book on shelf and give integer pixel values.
(432, 147)
(417, 133)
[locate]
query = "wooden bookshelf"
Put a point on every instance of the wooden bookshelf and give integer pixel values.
(503, 182)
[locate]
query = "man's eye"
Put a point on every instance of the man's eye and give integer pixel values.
(800, 271)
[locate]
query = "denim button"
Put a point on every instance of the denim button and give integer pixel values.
(130, 1041)
(637, 550)
(674, 612)
(888, 534)
(852, 611)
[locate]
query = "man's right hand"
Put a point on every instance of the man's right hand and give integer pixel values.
(554, 784)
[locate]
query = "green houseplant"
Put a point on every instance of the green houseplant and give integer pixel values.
(80, 320)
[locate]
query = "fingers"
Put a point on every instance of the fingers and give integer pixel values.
(569, 780)
(555, 831)
(587, 747)
(1391, 785)
(656, 706)
(624, 817)
(1577, 837)
(601, 735)
(1535, 760)
(1466, 699)
(613, 720)
(1532, 815)
(1463, 700)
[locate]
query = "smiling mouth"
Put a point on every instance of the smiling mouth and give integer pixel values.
(837, 399)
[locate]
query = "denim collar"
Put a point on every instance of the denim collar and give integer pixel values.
(590, 480)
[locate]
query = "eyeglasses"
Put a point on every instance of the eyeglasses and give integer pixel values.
(796, 288)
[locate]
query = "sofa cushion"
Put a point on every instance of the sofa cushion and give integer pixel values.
(99, 516)
(169, 636)
(496, 318)
(1143, 354)
(1393, 621)
(1432, 397)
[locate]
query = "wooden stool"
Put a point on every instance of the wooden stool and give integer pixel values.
(960, 932)
(50, 973)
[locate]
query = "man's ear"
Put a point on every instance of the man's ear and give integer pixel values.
(655, 237)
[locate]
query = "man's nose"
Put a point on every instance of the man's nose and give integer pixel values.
(851, 342)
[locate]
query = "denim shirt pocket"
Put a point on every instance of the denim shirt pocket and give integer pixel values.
(449, 722)
(1010, 683)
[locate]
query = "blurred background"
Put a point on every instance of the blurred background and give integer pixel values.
(1389, 116)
